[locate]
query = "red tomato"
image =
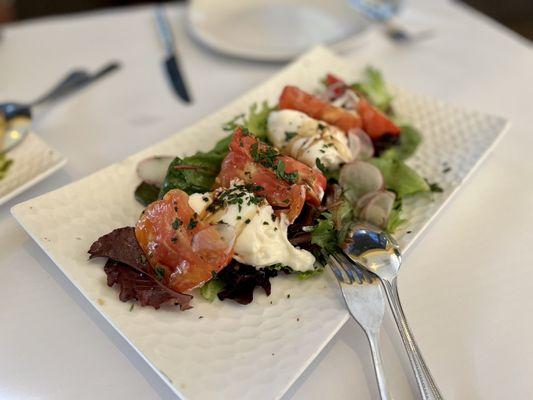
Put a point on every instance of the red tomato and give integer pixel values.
(256, 163)
(295, 99)
(375, 123)
(335, 84)
(183, 255)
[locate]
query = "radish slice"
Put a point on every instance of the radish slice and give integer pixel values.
(348, 100)
(355, 145)
(378, 207)
(365, 146)
(154, 169)
(359, 178)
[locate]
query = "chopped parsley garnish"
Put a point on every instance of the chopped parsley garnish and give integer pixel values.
(290, 177)
(435, 187)
(192, 224)
(176, 224)
(174, 239)
(320, 166)
(266, 156)
(265, 223)
(238, 217)
(247, 221)
(239, 195)
(159, 272)
(290, 135)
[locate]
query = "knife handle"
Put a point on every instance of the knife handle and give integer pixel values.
(164, 30)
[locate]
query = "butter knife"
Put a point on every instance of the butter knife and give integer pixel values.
(171, 59)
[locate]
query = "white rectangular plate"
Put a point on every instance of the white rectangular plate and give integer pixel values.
(237, 352)
(33, 160)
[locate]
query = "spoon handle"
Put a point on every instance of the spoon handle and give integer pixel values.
(72, 82)
(426, 384)
(373, 340)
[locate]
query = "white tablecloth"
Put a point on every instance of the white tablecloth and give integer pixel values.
(466, 287)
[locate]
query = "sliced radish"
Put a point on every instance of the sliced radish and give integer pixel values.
(348, 100)
(365, 199)
(355, 145)
(154, 169)
(377, 207)
(362, 144)
(358, 178)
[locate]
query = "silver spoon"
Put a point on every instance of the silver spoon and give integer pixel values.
(17, 116)
(371, 248)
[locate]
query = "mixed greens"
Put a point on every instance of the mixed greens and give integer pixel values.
(369, 181)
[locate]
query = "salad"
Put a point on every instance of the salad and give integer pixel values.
(275, 196)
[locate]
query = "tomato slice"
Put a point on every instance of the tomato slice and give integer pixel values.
(183, 254)
(294, 98)
(258, 163)
(375, 123)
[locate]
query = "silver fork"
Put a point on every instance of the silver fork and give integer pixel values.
(364, 299)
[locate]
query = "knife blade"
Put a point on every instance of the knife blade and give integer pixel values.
(171, 63)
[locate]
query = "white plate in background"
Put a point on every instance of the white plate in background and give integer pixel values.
(241, 352)
(272, 30)
(33, 161)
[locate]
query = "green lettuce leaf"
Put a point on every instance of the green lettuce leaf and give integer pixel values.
(256, 121)
(211, 288)
(196, 173)
(409, 141)
(399, 177)
(395, 220)
(146, 193)
(374, 88)
(309, 274)
(324, 234)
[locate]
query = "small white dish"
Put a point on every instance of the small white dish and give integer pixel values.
(33, 161)
(272, 30)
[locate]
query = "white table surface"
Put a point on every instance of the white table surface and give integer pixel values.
(466, 287)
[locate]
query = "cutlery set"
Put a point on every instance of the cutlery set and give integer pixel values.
(16, 117)
(370, 255)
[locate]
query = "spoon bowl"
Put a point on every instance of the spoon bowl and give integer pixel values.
(373, 249)
(14, 132)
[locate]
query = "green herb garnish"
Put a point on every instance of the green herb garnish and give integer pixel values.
(290, 135)
(176, 224)
(159, 273)
(290, 177)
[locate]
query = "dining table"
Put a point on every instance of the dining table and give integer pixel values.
(466, 286)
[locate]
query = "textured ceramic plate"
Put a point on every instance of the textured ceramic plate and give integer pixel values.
(233, 351)
(33, 160)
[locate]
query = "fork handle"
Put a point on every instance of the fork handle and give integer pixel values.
(373, 339)
(426, 384)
